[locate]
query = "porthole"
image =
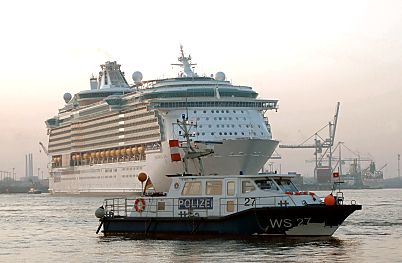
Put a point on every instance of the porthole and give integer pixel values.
(228, 125)
(225, 118)
(195, 111)
(232, 125)
(176, 185)
(230, 118)
(200, 126)
(220, 133)
(225, 133)
(235, 133)
(204, 111)
(230, 133)
(212, 133)
(222, 111)
(227, 111)
(220, 118)
(242, 111)
(242, 133)
(234, 111)
(214, 118)
(207, 118)
(212, 111)
(209, 126)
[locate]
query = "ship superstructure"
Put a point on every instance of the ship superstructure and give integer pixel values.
(103, 138)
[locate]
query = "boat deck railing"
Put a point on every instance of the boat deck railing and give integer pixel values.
(190, 207)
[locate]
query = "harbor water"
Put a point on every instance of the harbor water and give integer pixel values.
(45, 228)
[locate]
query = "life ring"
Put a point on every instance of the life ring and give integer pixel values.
(139, 205)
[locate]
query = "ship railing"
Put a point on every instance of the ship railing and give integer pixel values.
(173, 207)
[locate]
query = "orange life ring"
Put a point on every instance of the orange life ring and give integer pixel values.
(139, 205)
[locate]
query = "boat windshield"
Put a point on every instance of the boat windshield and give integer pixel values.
(266, 184)
(286, 185)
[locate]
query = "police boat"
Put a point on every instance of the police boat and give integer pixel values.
(237, 206)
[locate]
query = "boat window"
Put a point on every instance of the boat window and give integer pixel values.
(265, 184)
(247, 186)
(230, 188)
(286, 185)
(192, 188)
(214, 187)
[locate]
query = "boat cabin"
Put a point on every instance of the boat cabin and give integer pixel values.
(214, 196)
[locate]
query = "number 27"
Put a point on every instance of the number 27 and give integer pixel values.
(247, 201)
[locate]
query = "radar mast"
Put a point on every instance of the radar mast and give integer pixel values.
(185, 63)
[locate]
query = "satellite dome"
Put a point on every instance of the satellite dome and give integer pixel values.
(67, 97)
(137, 77)
(220, 76)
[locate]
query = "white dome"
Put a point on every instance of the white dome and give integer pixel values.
(137, 77)
(67, 97)
(220, 76)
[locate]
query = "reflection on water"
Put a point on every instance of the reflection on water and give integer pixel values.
(44, 228)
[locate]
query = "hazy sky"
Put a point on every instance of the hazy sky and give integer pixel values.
(307, 54)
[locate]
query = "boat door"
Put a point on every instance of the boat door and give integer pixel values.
(229, 202)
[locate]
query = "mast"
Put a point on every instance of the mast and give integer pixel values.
(185, 63)
(190, 152)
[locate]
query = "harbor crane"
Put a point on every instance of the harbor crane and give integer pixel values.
(43, 148)
(323, 147)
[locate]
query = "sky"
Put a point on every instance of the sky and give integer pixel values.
(307, 54)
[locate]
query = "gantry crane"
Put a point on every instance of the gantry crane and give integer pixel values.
(320, 144)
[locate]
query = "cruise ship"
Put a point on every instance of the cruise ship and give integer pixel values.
(104, 137)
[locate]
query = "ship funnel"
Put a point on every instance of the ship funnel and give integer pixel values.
(94, 83)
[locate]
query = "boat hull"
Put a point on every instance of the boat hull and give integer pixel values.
(311, 220)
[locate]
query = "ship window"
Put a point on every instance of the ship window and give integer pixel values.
(222, 111)
(203, 133)
(265, 184)
(225, 118)
(242, 133)
(227, 111)
(220, 133)
(204, 111)
(161, 206)
(235, 133)
(209, 125)
(230, 133)
(207, 118)
(230, 188)
(195, 111)
(286, 185)
(212, 111)
(247, 186)
(191, 188)
(214, 188)
(212, 133)
(234, 111)
(220, 118)
(225, 133)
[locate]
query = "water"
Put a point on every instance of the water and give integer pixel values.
(44, 228)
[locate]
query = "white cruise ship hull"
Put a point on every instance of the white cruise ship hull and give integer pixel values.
(120, 178)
